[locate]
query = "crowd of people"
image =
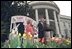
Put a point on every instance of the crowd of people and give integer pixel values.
(43, 30)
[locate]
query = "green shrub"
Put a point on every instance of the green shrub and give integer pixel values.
(14, 43)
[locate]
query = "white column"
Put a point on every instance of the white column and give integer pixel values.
(36, 15)
(59, 25)
(56, 24)
(47, 21)
(11, 25)
(62, 29)
(47, 17)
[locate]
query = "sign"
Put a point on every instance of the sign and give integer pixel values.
(18, 19)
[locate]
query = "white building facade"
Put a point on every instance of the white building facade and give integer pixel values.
(65, 24)
(49, 10)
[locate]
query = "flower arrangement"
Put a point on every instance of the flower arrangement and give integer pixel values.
(27, 36)
(57, 40)
(54, 42)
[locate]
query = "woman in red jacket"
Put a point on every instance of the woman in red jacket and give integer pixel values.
(29, 28)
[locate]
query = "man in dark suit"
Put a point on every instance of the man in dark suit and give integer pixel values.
(41, 30)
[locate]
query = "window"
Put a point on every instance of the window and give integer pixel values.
(66, 31)
(50, 13)
(69, 25)
(52, 25)
(41, 12)
(64, 24)
(70, 31)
